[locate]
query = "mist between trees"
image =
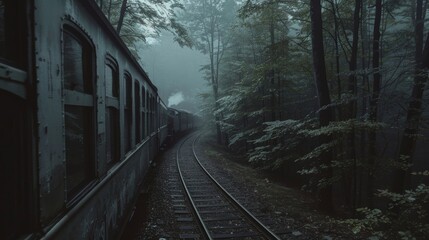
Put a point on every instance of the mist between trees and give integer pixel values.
(332, 94)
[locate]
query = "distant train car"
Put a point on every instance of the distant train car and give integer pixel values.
(179, 122)
(81, 122)
(163, 122)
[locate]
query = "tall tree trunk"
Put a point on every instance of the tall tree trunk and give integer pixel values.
(352, 85)
(272, 73)
(365, 59)
(337, 52)
(214, 80)
(376, 62)
(121, 16)
(352, 105)
(374, 98)
(414, 113)
(325, 114)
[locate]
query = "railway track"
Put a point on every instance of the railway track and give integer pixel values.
(218, 213)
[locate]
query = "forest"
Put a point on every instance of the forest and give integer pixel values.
(331, 94)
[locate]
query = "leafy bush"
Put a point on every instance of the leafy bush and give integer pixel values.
(406, 216)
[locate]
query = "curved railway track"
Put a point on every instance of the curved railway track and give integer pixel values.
(217, 212)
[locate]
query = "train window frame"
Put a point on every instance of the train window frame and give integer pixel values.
(13, 80)
(86, 102)
(154, 113)
(143, 111)
(151, 114)
(148, 114)
(128, 111)
(112, 111)
(137, 113)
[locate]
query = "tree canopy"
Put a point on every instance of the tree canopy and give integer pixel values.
(139, 20)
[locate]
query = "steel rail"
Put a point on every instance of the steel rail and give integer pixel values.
(194, 207)
(258, 224)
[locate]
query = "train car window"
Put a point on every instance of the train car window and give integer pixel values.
(152, 112)
(76, 65)
(157, 114)
(144, 97)
(137, 100)
(152, 103)
(111, 76)
(147, 114)
(13, 49)
(14, 168)
(128, 112)
(79, 111)
(143, 113)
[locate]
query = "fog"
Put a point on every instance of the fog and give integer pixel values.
(175, 71)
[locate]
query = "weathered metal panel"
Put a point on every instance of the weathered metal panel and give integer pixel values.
(50, 110)
(102, 216)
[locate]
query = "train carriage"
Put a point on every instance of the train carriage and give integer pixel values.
(180, 121)
(163, 122)
(81, 122)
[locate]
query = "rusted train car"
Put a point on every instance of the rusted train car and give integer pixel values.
(80, 123)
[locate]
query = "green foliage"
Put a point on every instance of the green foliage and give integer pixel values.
(295, 142)
(278, 144)
(406, 216)
(295, 131)
(343, 127)
(421, 173)
(249, 63)
(145, 19)
(372, 219)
